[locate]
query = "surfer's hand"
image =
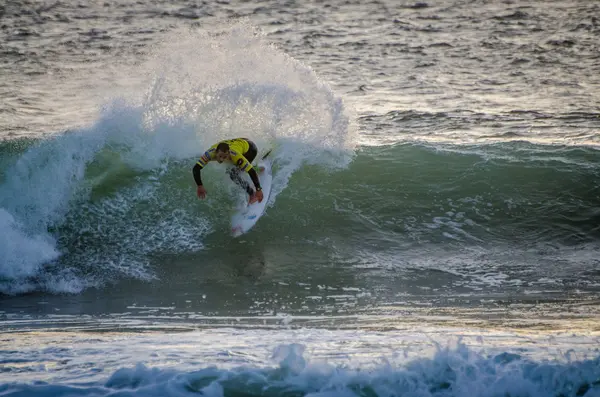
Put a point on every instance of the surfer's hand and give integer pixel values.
(257, 196)
(201, 192)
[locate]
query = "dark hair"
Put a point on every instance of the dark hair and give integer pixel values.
(222, 147)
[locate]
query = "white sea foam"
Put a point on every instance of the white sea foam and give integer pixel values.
(319, 362)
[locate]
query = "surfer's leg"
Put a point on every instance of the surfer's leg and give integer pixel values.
(234, 174)
(250, 155)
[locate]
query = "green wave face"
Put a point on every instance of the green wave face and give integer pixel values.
(390, 201)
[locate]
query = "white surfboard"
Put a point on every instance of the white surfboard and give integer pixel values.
(245, 218)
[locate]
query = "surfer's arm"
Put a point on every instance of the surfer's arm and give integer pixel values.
(202, 161)
(254, 177)
(196, 172)
(244, 165)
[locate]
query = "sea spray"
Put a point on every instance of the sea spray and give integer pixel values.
(96, 195)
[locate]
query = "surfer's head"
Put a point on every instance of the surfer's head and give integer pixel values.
(222, 153)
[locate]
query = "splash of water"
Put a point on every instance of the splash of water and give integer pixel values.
(203, 87)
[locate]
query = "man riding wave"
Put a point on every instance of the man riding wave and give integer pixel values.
(240, 152)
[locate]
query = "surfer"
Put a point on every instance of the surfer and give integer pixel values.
(240, 152)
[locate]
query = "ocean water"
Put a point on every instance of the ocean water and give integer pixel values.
(433, 228)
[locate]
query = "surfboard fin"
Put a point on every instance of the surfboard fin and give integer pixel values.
(266, 154)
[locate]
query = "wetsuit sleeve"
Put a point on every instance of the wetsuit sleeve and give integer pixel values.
(196, 172)
(202, 161)
(254, 177)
